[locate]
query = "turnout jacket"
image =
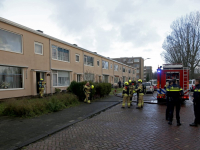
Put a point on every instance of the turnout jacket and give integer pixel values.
(196, 94)
(87, 89)
(126, 91)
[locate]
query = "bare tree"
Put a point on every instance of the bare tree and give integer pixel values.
(183, 43)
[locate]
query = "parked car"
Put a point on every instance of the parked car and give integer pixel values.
(192, 84)
(149, 87)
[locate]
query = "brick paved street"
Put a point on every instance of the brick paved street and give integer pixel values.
(119, 128)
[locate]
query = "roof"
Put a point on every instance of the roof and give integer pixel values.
(55, 39)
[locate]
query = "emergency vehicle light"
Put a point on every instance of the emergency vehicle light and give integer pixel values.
(158, 70)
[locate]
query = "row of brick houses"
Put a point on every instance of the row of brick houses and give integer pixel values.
(26, 55)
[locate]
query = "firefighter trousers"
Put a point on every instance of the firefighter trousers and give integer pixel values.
(126, 99)
(87, 95)
(41, 90)
(140, 101)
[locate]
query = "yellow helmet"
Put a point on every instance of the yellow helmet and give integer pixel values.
(92, 86)
(126, 83)
(140, 80)
(129, 81)
(41, 79)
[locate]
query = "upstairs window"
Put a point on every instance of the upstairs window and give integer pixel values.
(124, 69)
(116, 67)
(89, 61)
(60, 53)
(105, 64)
(111, 66)
(77, 58)
(10, 41)
(129, 71)
(98, 63)
(136, 60)
(38, 48)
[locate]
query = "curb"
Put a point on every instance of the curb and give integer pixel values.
(37, 138)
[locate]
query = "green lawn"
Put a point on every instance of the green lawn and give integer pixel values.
(119, 90)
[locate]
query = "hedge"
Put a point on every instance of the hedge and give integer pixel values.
(100, 89)
(39, 106)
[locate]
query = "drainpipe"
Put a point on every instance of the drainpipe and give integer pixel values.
(50, 66)
(83, 66)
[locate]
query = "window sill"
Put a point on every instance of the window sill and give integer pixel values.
(39, 54)
(88, 65)
(61, 60)
(11, 51)
(12, 89)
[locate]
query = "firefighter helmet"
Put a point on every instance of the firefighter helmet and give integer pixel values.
(126, 83)
(140, 80)
(92, 86)
(129, 81)
(41, 79)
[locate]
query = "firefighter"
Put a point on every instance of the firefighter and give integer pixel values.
(41, 84)
(87, 89)
(196, 103)
(125, 94)
(130, 91)
(174, 92)
(140, 94)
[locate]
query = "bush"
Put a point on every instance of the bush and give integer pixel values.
(38, 106)
(100, 89)
(57, 90)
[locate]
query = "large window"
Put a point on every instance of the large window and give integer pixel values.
(10, 41)
(116, 67)
(136, 65)
(105, 64)
(38, 48)
(116, 79)
(124, 69)
(138, 71)
(88, 60)
(129, 70)
(136, 60)
(60, 53)
(11, 77)
(130, 60)
(89, 77)
(105, 78)
(61, 78)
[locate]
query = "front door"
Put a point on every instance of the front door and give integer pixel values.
(39, 75)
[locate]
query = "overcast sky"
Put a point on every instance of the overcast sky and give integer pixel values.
(113, 28)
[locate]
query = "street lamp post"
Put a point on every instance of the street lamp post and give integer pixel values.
(144, 60)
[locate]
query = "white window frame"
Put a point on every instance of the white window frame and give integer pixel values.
(57, 78)
(136, 59)
(86, 60)
(78, 57)
(97, 63)
(57, 54)
(40, 45)
(117, 67)
(21, 42)
(106, 62)
(23, 84)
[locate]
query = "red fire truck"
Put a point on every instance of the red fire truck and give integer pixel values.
(169, 72)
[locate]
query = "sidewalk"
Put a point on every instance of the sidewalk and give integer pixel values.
(16, 133)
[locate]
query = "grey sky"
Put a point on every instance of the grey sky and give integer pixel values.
(113, 28)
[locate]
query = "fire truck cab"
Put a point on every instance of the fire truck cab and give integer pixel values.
(169, 72)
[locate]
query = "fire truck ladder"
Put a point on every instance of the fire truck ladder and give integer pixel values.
(185, 81)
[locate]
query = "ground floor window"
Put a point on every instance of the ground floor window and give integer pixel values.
(116, 79)
(78, 78)
(124, 79)
(105, 78)
(89, 77)
(11, 77)
(61, 78)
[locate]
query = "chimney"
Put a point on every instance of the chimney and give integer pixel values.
(75, 44)
(39, 31)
